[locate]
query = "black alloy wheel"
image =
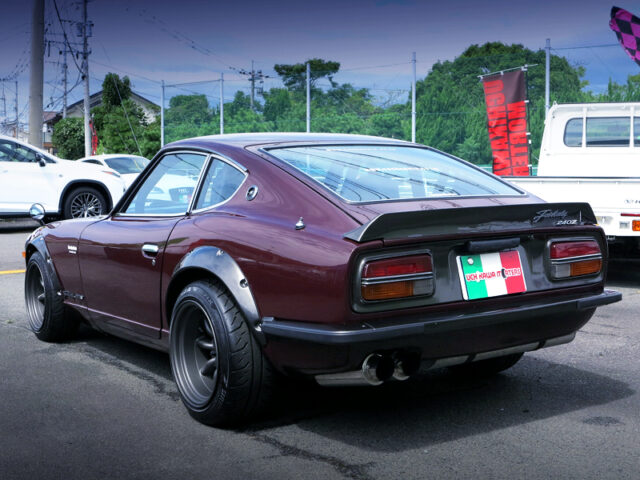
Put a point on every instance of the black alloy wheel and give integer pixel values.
(49, 318)
(221, 373)
(196, 362)
(34, 296)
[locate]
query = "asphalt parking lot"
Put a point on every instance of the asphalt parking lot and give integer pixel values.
(100, 407)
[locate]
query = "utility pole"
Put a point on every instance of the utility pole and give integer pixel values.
(37, 72)
(64, 84)
(162, 115)
(547, 66)
(254, 75)
(413, 100)
(253, 84)
(221, 103)
(308, 97)
(85, 73)
(4, 103)
(15, 134)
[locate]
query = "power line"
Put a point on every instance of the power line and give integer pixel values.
(588, 46)
(182, 37)
(64, 33)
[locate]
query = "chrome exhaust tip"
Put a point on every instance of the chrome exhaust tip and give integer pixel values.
(405, 366)
(376, 368)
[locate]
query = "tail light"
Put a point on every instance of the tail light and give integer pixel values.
(635, 224)
(397, 277)
(575, 258)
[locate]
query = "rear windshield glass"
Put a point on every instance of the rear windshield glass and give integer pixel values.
(372, 173)
(608, 132)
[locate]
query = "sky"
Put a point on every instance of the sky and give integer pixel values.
(194, 40)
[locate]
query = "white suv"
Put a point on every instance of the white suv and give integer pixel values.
(65, 188)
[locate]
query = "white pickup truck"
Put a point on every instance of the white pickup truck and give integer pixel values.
(590, 152)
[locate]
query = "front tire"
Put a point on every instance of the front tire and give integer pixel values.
(84, 202)
(222, 376)
(49, 318)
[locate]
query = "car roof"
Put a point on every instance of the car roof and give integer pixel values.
(28, 145)
(241, 140)
(106, 156)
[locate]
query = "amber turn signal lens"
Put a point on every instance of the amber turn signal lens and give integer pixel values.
(24, 254)
(386, 291)
(635, 225)
(586, 267)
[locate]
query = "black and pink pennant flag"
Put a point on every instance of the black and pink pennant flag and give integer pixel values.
(627, 28)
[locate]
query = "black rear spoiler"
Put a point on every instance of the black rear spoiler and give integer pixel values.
(471, 220)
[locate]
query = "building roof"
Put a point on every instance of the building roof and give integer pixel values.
(96, 99)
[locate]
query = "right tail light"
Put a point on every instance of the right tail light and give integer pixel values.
(575, 258)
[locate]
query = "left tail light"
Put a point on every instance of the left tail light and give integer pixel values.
(397, 277)
(575, 258)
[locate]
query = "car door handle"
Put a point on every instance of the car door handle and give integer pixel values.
(150, 249)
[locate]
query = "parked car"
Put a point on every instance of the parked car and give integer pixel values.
(354, 260)
(127, 166)
(64, 188)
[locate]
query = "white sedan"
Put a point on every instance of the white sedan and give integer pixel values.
(128, 166)
(65, 188)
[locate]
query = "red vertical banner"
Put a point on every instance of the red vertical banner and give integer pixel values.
(94, 138)
(505, 95)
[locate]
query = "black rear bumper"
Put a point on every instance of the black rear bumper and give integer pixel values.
(313, 348)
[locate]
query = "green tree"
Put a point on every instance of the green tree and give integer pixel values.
(115, 90)
(120, 123)
(68, 138)
(123, 129)
(450, 100)
(629, 92)
(192, 109)
(294, 76)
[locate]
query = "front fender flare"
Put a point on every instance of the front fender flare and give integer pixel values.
(36, 241)
(221, 265)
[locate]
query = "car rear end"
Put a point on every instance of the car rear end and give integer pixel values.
(452, 266)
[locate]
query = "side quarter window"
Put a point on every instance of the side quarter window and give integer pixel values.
(169, 188)
(220, 183)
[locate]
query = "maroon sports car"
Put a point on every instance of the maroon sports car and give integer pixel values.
(350, 259)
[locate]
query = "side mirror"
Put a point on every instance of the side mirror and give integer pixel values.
(37, 213)
(41, 161)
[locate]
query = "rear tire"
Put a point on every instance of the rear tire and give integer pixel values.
(84, 202)
(488, 367)
(49, 318)
(222, 376)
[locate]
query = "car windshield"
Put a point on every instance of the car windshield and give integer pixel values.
(127, 164)
(366, 173)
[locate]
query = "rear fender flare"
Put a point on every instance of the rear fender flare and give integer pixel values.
(221, 265)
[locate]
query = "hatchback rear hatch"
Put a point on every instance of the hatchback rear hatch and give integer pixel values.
(450, 231)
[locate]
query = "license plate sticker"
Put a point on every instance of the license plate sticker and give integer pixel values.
(491, 274)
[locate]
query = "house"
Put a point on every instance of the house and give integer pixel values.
(149, 108)
(49, 119)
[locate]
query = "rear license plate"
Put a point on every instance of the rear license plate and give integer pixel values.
(491, 274)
